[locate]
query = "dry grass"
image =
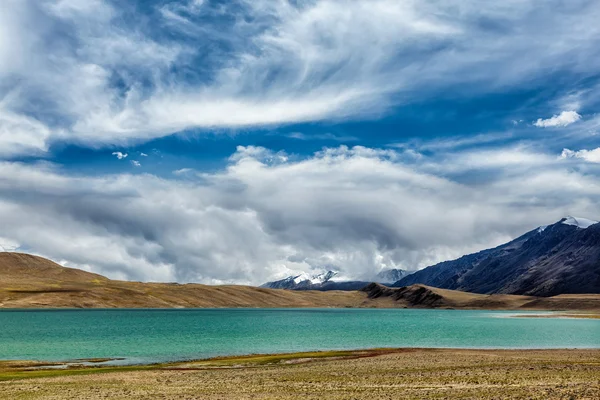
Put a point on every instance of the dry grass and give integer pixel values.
(385, 374)
(28, 281)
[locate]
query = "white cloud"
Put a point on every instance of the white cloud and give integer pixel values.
(105, 79)
(565, 118)
(21, 134)
(587, 155)
(500, 157)
(136, 163)
(120, 155)
(183, 171)
(8, 244)
(354, 209)
(453, 143)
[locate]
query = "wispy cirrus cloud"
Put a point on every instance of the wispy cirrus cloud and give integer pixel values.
(454, 143)
(103, 78)
(321, 136)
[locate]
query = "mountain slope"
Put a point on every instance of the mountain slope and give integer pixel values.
(322, 282)
(33, 282)
(28, 281)
(302, 282)
(27, 269)
(560, 258)
(391, 275)
(325, 282)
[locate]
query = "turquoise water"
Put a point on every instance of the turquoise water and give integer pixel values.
(144, 336)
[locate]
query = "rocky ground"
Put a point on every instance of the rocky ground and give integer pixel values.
(385, 374)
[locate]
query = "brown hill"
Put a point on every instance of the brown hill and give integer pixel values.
(422, 296)
(28, 281)
(29, 270)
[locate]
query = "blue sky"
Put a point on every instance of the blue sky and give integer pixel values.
(241, 141)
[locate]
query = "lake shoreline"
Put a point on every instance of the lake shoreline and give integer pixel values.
(399, 373)
(244, 360)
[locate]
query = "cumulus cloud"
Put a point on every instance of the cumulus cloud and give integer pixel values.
(120, 155)
(136, 163)
(103, 78)
(587, 155)
(565, 118)
(265, 215)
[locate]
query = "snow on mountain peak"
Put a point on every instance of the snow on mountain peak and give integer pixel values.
(582, 223)
(391, 275)
(314, 279)
(301, 278)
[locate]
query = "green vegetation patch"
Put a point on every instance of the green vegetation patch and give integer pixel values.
(27, 369)
(8, 375)
(287, 358)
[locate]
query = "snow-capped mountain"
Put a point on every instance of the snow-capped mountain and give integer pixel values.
(302, 281)
(391, 275)
(582, 223)
(325, 281)
(560, 258)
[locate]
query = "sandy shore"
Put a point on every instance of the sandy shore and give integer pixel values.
(385, 374)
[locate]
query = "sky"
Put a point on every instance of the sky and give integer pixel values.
(244, 141)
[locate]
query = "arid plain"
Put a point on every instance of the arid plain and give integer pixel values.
(382, 374)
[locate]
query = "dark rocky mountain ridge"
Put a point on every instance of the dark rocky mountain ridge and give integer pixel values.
(560, 258)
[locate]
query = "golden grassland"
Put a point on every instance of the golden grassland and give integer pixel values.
(367, 374)
(28, 281)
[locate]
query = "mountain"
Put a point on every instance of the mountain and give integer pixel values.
(555, 259)
(325, 282)
(391, 275)
(28, 281)
(322, 282)
(302, 281)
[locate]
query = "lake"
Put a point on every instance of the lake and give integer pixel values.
(146, 336)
